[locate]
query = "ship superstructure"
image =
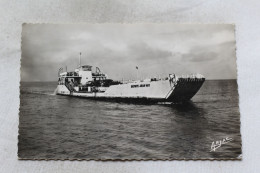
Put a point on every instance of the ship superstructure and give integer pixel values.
(83, 82)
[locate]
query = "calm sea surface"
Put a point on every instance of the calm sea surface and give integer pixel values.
(62, 127)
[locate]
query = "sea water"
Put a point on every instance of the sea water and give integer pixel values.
(63, 127)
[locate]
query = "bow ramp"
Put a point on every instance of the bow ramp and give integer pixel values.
(185, 88)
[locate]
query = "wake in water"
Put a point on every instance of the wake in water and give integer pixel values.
(42, 93)
(50, 94)
(55, 92)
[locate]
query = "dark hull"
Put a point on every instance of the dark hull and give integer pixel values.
(122, 100)
(185, 89)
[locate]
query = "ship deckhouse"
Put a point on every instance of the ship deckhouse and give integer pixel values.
(85, 72)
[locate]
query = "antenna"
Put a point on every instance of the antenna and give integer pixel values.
(136, 72)
(80, 59)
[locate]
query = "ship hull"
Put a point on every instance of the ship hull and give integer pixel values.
(139, 100)
(181, 90)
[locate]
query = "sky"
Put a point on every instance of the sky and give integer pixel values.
(117, 49)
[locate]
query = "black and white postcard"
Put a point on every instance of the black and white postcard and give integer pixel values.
(129, 92)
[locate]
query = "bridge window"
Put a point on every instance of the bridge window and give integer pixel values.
(147, 85)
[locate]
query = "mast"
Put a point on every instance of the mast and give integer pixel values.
(80, 59)
(136, 72)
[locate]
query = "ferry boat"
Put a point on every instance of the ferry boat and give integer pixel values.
(85, 83)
